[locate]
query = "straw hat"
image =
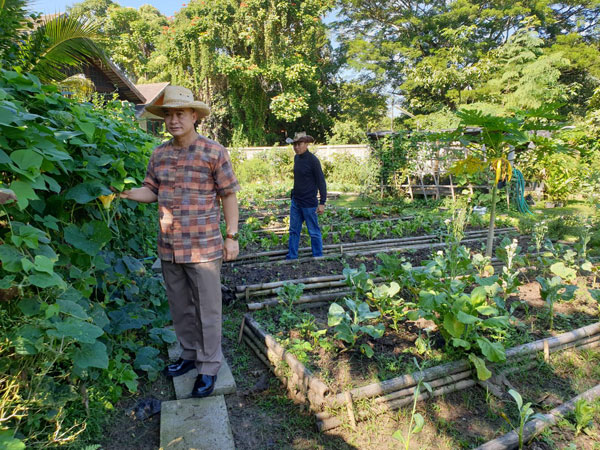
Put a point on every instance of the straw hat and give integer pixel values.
(300, 136)
(177, 97)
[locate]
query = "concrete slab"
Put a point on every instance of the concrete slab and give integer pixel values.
(184, 383)
(196, 424)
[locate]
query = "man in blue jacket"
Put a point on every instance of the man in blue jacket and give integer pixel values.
(308, 178)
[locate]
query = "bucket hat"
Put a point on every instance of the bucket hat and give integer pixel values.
(177, 97)
(300, 136)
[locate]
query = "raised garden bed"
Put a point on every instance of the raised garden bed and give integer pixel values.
(334, 378)
(398, 391)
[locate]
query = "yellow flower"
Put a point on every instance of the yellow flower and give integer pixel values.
(107, 200)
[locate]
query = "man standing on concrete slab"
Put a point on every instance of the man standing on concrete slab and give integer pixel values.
(187, 176)
(308, 178)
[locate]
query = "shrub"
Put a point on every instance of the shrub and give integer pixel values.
(81, 309)
(348, 132)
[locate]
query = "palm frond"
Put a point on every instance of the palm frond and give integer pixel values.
(60, 43)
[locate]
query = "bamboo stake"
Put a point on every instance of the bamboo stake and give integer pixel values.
(350, 410)
(383, 244)
(276, 284)
(301, 300)
(241, 329)
(395, 384)
(534, 427)
(452, 188)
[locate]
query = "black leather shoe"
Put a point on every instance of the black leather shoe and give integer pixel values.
(179, 368)
(204, 385)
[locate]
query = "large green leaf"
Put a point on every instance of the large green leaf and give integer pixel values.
(493, 351)
(27, 340)
(467, 319)
(9, 442)
(27, 159)
(566, 273)
(86, 192)
(160, 335)
(71, 308)
(91, 355)
(453, 326)
(90, 238)
(43, 264)
(78, 330)
(483, 373)
(24, 192)
(147, 359)
(30, 306)
(10, 258)
(44, 280)
(336, 315)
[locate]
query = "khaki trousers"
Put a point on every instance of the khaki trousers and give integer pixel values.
(194, 293)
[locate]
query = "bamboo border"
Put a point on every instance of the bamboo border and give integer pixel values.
(362, 248)
(394, 393)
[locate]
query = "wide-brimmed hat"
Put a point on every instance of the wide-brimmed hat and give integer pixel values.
(177, 97)
(301, 136)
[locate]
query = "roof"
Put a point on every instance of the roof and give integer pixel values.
(151, 91)
(125, 87)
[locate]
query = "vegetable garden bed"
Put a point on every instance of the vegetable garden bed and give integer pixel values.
(322, 355)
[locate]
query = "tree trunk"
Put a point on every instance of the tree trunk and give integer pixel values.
(490, 237)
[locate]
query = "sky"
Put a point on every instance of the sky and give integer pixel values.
(168, 8)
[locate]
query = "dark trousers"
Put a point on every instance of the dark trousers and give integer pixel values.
(194, 293)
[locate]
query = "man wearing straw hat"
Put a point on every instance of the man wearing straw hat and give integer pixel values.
(187, 176)
(308, 178)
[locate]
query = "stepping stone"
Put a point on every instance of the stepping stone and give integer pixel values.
(199, 424)
(185, 383)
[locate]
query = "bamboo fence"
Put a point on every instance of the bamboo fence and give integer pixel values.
(399, 391)
(330, 287)
(363, 248)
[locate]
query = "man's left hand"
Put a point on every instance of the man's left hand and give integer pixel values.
(231, 249)
(320, 209)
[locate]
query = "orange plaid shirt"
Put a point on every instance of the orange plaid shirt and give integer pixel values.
(187, 182)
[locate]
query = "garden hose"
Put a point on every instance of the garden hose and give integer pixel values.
(519, 193)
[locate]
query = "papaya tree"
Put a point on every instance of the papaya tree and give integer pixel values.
(489, 146)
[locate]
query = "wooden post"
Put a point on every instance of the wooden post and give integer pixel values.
(410, 191)
(546, 351)
(241, 329)
(350, 409)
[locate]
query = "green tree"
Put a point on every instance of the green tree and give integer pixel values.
(262, 66)
(442, 54)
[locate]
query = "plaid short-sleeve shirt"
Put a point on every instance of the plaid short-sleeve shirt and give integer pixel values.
(187, 182)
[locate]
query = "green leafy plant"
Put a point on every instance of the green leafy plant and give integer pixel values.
(525, 413)
(553, 289)
(289, 294)
(508, 253)
(584, 415)
(457, 316)
(351, 325)
(384, 298)
(415, 417)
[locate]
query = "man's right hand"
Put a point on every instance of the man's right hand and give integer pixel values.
(142, 195)
(7, 196)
